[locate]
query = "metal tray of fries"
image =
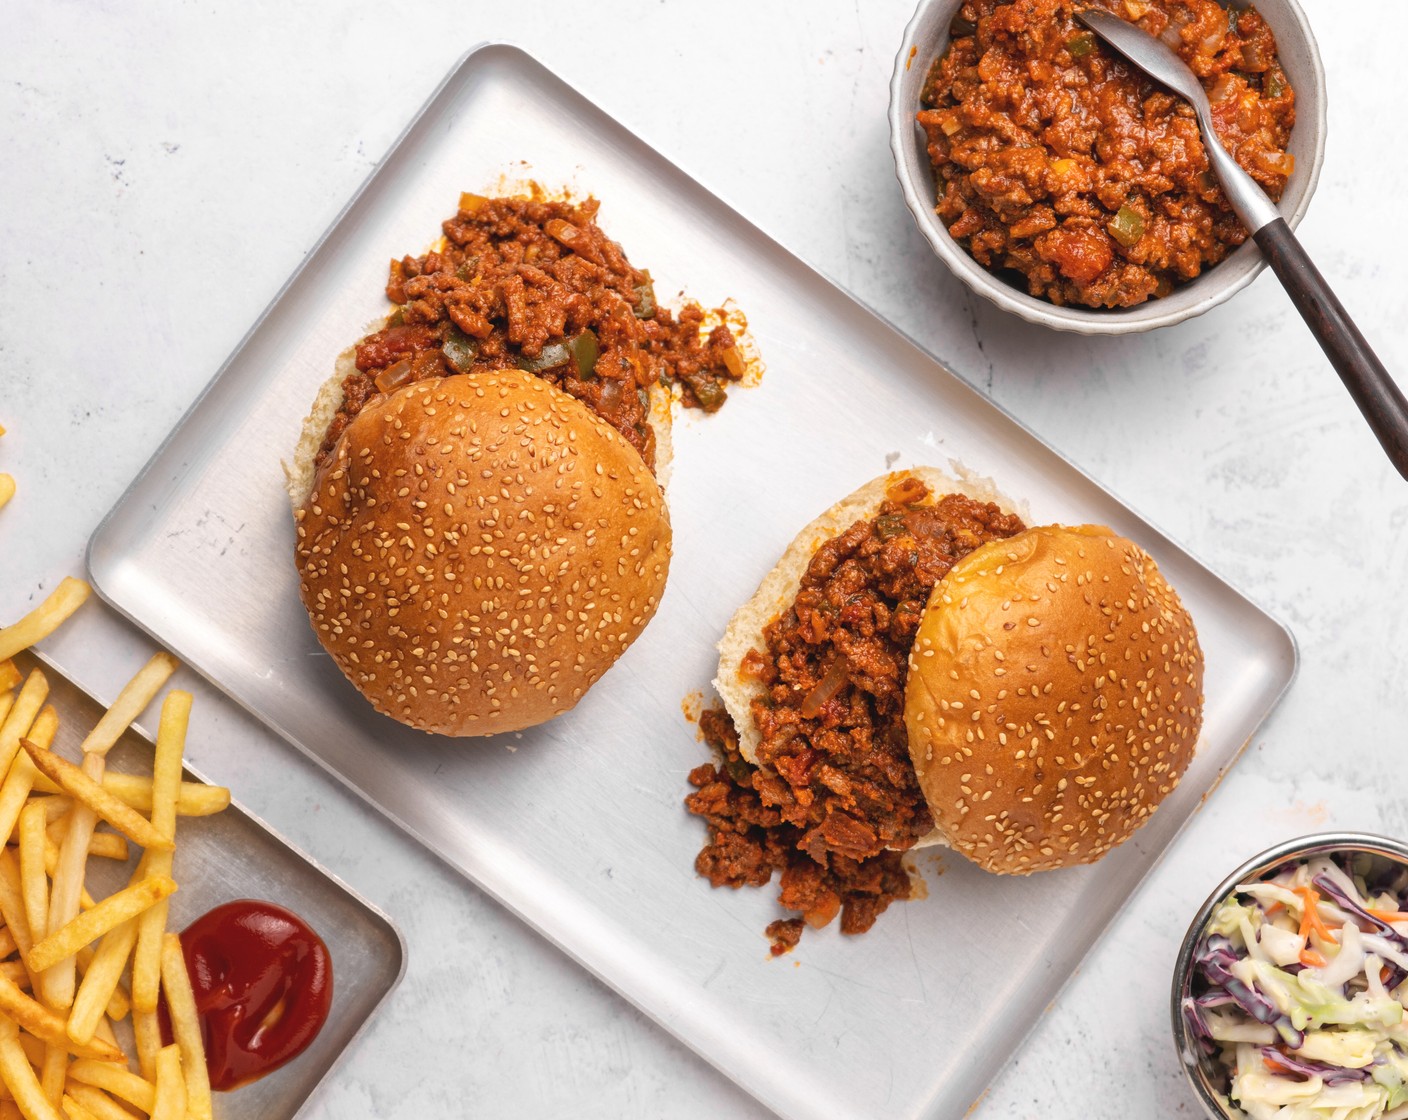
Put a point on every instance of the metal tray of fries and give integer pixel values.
(229, 854)
(578, 825)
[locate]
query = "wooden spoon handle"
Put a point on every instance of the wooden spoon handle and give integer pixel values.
(1379, 399)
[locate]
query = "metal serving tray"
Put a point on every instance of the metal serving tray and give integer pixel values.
(231, 855)
(578, 826)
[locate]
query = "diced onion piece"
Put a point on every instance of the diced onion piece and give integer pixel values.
(563, 231)
(1277, 163)
(394, 376)
(826, 688)
(472, 203)
(1222, 89)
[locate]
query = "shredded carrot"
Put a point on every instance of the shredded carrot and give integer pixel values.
(1312, 958)
(1389, 916)
(1275, 908)
(1384, 975)
(1310, 920)
(1274, 1063)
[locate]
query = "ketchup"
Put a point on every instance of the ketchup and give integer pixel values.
(263, 985)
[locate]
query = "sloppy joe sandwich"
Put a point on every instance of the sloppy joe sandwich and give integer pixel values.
(478, 550)
(478, 487)
(920, 668)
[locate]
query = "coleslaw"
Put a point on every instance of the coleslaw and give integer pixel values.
(1299, 991)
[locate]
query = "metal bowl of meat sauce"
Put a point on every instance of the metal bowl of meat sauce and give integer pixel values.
(1290, 987)
(1062, 237)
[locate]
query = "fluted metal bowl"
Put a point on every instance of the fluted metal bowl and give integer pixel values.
(926, 38)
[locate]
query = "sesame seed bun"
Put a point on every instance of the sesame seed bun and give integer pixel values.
(1054, 697)
(780, 586)
(478, 550)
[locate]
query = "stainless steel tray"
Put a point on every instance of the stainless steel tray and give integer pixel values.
(578, 826)
(234, 855)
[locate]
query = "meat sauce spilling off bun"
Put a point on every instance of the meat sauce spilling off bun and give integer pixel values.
(535, 284)
(813, 673)
(478, 550)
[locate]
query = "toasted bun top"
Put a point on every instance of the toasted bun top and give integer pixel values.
(780, 586)
(478, 550)
(1054, 697)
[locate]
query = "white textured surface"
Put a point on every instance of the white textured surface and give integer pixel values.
(164, 170)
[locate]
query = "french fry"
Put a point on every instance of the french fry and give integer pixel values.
(34, 884)
(53, 1073)
(119, 1004)
(7, 701)
(10, 675)
(83, 789)
(47, 1026)
(19, 1076)
(105, 1033)
(16, 972)
(22, 714)
(109, 845)
(75, 1111)
(39, 623)
(33, 1049)
(66, 895)
(146, 1032)
(89, 926)
(20, 779)
(135, 791)
(99, 1105)
(7, 942)
(51, 863)
(166, 763)
(114, 1079)
(7, 489)
(12, 905)
(166, 786)
(170, 1102)
(9, 1110)
(185, 1028)
(101, 980)
(146, 955)
(136, 694)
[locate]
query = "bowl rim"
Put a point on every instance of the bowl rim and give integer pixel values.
(1299, 847)
(1087, 321)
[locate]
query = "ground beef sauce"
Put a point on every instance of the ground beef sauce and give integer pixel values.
(835, 800)
(1058, 160)
(536, 284)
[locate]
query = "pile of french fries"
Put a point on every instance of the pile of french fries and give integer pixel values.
(74, 969)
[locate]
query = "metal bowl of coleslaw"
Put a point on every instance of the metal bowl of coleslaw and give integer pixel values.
(1290, 994)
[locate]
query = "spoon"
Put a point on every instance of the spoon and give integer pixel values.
(1378, 398)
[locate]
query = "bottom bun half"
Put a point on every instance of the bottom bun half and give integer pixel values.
(779, 588)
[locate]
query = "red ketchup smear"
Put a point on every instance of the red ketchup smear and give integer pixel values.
(263, 985)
